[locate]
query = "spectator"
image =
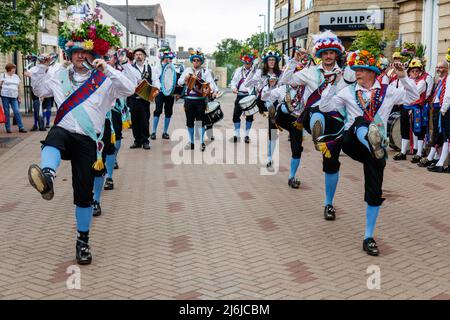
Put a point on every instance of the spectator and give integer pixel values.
(10, 82)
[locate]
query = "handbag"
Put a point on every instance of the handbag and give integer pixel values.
(2, 115)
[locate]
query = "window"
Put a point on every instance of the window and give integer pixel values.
(43, 23)
(277, 14)
(284, 11)
(309, 4)
(297, 5)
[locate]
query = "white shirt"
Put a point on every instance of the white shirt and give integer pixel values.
(96, 106)
(257, 80)
(10, 86)
(241, 73)
(279, 94)
(155, 74)
(205, 75)
(446, 101)
(345, 102)
(437, 99)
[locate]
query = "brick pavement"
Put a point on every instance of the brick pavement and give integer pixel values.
(223, 231)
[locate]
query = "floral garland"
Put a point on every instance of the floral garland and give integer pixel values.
(248, 55)
(364, 58)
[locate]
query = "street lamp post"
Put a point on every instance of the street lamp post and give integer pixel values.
(128, 27)
(265, 25)
(261, 39)
(268, 24)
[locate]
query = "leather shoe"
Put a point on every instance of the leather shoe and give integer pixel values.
(22, 130)
(136, 146)
(438, 169)
(83, 254)
(42, 181)
(146, 146)
(247, 139)
(370, 246)
(109, 184)
(97, 210)
(399, 156)
(153, 136)
(294, 183)
(329, 213)
(165, 136)
(416, 159)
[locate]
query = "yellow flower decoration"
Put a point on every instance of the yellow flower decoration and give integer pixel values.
(89, 45)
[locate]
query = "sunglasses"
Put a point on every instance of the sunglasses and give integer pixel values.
(196, 60)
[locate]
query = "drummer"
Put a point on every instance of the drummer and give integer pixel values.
(215, 94)
(247, 57)
(290, 100)
(163, 101)
(194, 101)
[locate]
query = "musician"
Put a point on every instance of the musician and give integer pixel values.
(112, 130)
(83, 97)
(215, 93)
(140, 108)
(414, 117)
(368, 104)
(290, 106)
(247, 57)
(444, 102)
(163, 101)
(437, 98)
(195, 100)
(259, 78)
(326, 128)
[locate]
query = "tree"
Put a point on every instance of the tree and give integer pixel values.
(257, 40)
(15, 28)
(227, 55)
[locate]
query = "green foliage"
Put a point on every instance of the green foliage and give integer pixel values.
(372, 40)
(14, 21)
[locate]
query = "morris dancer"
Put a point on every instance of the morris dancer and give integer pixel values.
(247, 57)
(163, 101)
(194, 100)
(368, 105)
(83, 98)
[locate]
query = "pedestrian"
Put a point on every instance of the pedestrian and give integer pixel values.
(9, 83)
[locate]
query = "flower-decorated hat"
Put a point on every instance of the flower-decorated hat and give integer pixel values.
(363, 59)
(415, 53)
(448, 55)
(415, 63)
(325, 41)
(248, 55)
(89, 35)
(271, 52)
(166, 52)
(197, 54)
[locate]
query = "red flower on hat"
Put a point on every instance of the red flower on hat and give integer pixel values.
(92, 34)
(101, 47)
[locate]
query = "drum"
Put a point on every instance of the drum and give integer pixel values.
(213, 113)
(248, 105)
(168, 79)
(393, 130)
(147, 91)
(179, 90)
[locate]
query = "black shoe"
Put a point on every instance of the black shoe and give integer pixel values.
(34, 128)
(424, 163)
(431, 166)
(269, 164)
(146, 146)
(83, 255)
(8, 131)
(42, 181)
(438, 169)
(116, 165)
(212, 138)
(136, 146)
(153, 136)
(316, 132)
(47, 126)
(370, 246)
(203, 147)
(416, 159)
(294, 183)
(235, 139)
(109, 184)
(22, 130)
(247, 139)
(42, 129)
(165, 136)
(399, 156)
(97, 210)
(192, 146)
(329, 213)
(447, 170)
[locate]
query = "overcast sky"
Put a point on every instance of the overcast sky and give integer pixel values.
(203, 23)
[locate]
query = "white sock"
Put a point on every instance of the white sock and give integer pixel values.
(444, 155)
(247, 132)
(437, 156)
(415, 139)
(405, 145)
(431, 154)
(419, 147)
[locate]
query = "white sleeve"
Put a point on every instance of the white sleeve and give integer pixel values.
(41, 82)
(408, 93)
(121, 85)
(446, 102)
(253, 79)
(156, 74)
(236, 78)
(333, 101)
(131, 73)
(273, 95)
(185, 73)
(430, 83)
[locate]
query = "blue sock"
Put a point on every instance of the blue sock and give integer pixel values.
(84, 218)
(202, 132)
(110, 161)
(295, 163)
(371, 220)
(361, 133)
(272, 145)
(248, 126)
(331, 181)
(50, 158)
(155, 124)
(191, 134)
(166, 124)
(237, 129)
(117, 145)
(98, 187)
(48, 114)
(316, 116)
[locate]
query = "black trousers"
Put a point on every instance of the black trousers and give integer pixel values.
(405, 126)
(286, 121)
(81, 151)
(165, 102)
(332, 125)
(373, 168)
(195, 111)
(237, 112)
(437, 138)
(140, 119)
(117, 124)
(446, 125)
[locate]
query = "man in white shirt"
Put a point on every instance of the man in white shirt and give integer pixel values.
(368, 105)
(84, 93)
